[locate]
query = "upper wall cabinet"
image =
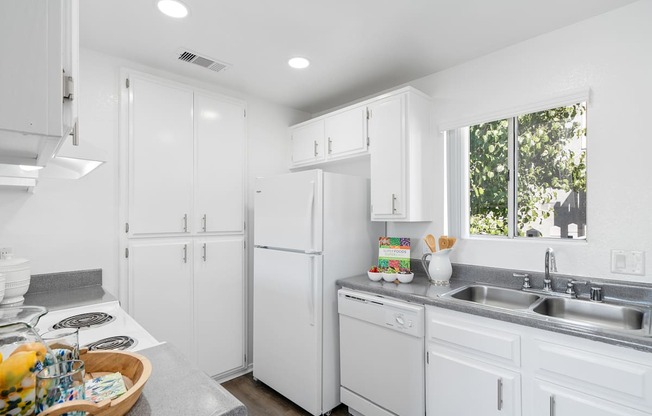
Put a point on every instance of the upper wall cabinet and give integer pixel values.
(394, 128)
(38, 78)
(336, 136)
(308, 143)
(346, 133)
(401, 151)
(186, 153)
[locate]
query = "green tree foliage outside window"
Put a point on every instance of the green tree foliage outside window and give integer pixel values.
(551, 173)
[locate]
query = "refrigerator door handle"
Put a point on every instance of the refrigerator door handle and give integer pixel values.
(311, 217)
(311, 295)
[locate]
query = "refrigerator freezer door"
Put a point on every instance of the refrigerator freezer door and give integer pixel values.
(288, 211)
(287, 325)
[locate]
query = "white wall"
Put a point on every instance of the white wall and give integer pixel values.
(610, 54)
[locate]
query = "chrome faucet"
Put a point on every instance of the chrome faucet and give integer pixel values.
(550, 265)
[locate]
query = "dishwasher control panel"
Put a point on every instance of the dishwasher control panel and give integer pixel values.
(405, 321)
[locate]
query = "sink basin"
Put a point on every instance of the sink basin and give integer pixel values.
(599, 314)
(496, 296)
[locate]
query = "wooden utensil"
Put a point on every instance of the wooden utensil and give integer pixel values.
(443, 242)
(451, 241)
(430, 242)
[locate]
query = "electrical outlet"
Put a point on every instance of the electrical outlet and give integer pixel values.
(628, 262)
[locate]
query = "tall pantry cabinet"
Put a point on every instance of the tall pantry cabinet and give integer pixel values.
(184, 218)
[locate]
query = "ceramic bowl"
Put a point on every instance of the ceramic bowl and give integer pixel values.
(375, 276)
(405, 278)
(389, 277)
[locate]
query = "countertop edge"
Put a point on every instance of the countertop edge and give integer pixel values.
(362, 283)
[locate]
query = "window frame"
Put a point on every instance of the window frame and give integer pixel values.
(457, 145)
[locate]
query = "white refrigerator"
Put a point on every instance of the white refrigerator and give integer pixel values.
(310, 229)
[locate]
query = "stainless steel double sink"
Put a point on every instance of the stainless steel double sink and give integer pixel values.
(607, 316)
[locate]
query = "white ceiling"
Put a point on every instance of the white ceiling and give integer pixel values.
(357, 47)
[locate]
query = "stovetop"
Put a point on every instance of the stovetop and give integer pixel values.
(100, 326)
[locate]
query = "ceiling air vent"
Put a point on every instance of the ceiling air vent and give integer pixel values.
(203, 61)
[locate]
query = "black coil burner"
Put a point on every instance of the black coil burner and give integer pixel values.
(84, 320)
(121, 342)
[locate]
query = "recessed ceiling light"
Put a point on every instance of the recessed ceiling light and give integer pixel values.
(299, 63)
(173, 8)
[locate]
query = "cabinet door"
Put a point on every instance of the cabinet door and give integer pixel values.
(388, 158)
(219, 304)
(219, 154)
(160, 157)
(456, 385)
(161, 290)
(308, 143)
(550, 399)
(346, 133)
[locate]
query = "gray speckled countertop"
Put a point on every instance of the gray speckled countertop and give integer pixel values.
(421, 291)
(177, 387)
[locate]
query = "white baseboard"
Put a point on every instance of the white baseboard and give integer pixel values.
(222, 378)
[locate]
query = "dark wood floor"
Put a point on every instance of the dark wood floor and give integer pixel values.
(263, 401)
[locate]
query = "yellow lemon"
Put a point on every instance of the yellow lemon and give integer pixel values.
(15, 368)
(38, 347)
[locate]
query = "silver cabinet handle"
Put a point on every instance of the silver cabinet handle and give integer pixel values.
(185, 253)
(500, 394)
(315, 148)
(75, 133)
(393, 203)
(204, 223)
(552, 405)
(330, 145)
(204, 252)
(185, 223)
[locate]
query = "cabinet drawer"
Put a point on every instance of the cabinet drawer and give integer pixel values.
(487, 341)
(598, 373)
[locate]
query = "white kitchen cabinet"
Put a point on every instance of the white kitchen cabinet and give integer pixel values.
(550, 399)
(400, 146)
(308, 143)
(160, 157)
(346, 133)
(39, 69)
(160, 289)
(548, 373)
(184, 186)
(458, 385)
(190, 292)
(184, 143)
(218, 289)
(472, 369)
(220, 137)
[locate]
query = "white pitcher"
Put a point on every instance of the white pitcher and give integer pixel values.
(439, 269)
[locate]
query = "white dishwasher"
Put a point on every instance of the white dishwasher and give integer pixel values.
(382, 355)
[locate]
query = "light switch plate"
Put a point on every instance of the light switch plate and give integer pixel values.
(628, 262)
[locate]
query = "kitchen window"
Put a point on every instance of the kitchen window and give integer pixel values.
(520, 176)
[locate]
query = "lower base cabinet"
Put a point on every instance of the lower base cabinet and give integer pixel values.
(190, 293)
(469, 387)
(552, 400)
(481, 366)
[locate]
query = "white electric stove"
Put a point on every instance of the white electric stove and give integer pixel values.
(102, 326)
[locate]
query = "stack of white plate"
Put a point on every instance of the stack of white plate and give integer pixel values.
(16, 275)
